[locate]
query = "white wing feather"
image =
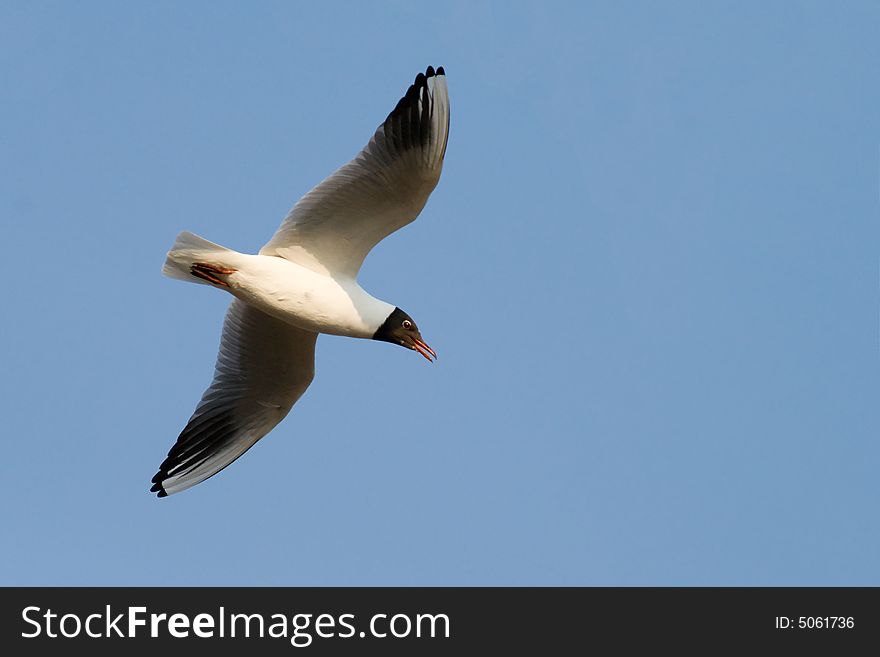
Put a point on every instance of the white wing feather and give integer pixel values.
(263, 367)
(333, 227)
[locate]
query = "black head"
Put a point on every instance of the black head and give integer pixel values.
(399, 328)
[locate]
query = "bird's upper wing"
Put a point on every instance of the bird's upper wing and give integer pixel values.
(333, 227)
(263, 367)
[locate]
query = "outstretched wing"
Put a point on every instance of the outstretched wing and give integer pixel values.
(263, 367)
(333, 227)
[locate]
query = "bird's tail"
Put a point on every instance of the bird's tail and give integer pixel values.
(195, 259)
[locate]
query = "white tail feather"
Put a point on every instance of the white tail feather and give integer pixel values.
(189, 248)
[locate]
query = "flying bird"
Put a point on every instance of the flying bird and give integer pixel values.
(304, 282)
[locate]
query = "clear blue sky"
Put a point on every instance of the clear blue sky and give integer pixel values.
(650, 270)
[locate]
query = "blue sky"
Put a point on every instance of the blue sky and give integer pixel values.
(650, 270)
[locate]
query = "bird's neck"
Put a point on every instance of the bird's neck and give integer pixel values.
(372, 311)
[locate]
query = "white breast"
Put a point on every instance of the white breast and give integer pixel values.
(307, 299)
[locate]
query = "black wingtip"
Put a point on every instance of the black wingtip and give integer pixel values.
(157, 486)
(409, 125)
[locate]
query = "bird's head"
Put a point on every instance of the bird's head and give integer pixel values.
(400, 328)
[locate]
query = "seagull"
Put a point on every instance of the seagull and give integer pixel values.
(304, 282)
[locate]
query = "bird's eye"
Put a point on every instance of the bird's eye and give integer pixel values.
(407, 324)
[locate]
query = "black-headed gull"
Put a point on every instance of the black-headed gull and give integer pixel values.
(304, 282)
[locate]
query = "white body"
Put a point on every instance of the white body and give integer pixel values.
(304, 298)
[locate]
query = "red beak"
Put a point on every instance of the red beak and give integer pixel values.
(424, 350)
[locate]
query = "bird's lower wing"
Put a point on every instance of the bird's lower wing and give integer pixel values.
(263, 367)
